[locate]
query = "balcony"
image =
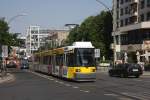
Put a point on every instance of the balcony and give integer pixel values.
(131, 47)
(142, 25)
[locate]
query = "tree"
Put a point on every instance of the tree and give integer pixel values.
(96, 29)
(7, 38)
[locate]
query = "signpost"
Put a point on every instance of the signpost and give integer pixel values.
(4, 55)
(97, 55)
(4, 51)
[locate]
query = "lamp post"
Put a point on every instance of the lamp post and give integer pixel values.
(16, 16)
(114, 37)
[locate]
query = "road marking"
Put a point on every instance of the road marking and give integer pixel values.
(61, 82)
(47, 77)
(51, 79)
(75, 87)
(138, 80)
(110, 94)
(124, 98)
(82, 90)
(134, 95)
(67, 85)
(87, 91)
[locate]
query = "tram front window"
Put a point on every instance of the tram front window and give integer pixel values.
(85, 57)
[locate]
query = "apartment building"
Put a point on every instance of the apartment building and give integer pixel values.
(131, 28)
(58, 37)
(37, 37)
(34, 38)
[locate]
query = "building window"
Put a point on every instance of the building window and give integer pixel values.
(126, 21)
(121, 1)
(133, 19)
(148, 3)
(121, 23)
(142, 4)
(117, 24)
(124, 39)
(121, 11)
(117, 14)
(117, 3)
(142, 17)
(148, 16)
(126, 10)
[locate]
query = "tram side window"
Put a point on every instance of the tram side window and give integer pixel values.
(59, 60)
(70, 60)
(45, 60)
(49, 60)
(41, 60)
(35, 58)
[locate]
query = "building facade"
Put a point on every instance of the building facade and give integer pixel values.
(58, 37)
(34, 38)
(37, 37)
(131, 28)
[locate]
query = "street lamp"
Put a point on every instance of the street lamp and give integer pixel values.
(114, 37)
(16, 16)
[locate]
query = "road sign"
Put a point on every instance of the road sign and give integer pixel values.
(97, 53)
(4, 51)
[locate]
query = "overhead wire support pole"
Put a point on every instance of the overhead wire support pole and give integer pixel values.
(114, 35)
(105, 6)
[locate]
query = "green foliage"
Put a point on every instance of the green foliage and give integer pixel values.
(7, 38)
(96, 29)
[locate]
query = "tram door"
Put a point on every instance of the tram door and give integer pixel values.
(53, 64)
(65, 68)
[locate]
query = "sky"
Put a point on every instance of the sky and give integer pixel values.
(52, 14)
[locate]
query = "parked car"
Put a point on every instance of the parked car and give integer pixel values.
(11, 64)
(125, 70)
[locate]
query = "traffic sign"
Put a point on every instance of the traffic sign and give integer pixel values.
(97, 53)
(4, 51)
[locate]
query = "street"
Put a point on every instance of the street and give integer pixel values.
(30, 85)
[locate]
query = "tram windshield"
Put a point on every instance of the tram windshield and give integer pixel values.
(85, 57)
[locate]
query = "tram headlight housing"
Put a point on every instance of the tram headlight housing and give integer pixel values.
(78, 70)
(93, 70)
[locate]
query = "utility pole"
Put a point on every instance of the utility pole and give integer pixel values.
(114, 37)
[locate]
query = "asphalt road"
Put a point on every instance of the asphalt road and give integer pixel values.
(29, 85)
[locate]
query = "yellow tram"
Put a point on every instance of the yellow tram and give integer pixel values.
(74, 62)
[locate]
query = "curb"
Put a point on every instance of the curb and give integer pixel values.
(9, 77)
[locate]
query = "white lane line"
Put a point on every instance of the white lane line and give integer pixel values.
(138, 80)
(51, 79)
(67, 85)
(82, 90)
(110, 94)
(56, 81)
(86, 91)
(75, 87)
(61, 82)
(134, 96)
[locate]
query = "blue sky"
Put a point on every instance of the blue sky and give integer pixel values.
(48, 13)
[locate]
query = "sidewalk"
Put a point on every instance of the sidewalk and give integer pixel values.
(8, 77)
(146, 73)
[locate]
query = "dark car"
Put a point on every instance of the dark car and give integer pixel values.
(24, 64)
(125, 70)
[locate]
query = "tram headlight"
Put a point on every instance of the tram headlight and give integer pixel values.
(78, 70)
(93, 70)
